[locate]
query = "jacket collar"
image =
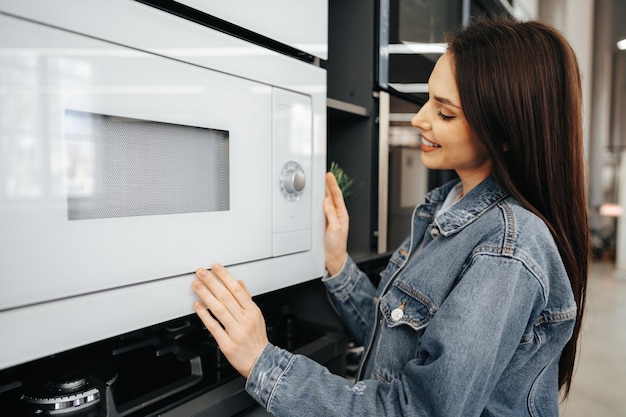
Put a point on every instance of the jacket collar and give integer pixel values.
(480, 198)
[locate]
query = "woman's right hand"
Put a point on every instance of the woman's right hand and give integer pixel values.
(337, 222)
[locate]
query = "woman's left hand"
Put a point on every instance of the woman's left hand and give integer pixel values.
(242, 335)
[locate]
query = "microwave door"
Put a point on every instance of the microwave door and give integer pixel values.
(121, 167)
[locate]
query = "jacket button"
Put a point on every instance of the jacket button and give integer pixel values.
(397, 314)
(434, 233)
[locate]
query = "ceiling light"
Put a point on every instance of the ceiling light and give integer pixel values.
(622, 44)
(417, 48)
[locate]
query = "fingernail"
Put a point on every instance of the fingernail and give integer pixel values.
(217, 267)
(197, 285)
(201, 272)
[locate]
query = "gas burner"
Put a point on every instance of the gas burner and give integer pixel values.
(68, 389)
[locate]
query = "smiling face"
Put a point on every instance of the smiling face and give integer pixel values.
(448, 142)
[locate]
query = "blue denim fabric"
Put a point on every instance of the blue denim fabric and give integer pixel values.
(482, 312)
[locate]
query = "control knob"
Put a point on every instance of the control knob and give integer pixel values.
(292, 180)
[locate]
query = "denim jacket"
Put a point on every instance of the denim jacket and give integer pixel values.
(469, 322)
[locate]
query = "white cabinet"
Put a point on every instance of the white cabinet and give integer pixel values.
(301, 24)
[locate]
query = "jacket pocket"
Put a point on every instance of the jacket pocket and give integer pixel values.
(404, 305)
(406, 313)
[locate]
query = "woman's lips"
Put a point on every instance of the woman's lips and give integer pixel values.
(428, 146)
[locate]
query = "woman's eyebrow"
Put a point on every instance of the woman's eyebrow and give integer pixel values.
(444, 100)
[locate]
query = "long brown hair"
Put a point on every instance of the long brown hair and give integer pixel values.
(520, 89)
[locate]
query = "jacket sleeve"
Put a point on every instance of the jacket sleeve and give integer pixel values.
(353, 296)
(467, 345)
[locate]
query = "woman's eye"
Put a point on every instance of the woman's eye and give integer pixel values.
(444, 116)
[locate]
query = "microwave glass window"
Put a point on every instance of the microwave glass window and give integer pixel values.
(121, 167)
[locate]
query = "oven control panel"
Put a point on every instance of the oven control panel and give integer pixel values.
(292, 131)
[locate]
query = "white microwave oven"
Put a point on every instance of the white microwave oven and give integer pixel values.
(136, 146)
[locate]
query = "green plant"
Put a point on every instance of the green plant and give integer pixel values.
(345, 182)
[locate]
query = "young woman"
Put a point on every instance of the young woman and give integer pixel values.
(478, 312)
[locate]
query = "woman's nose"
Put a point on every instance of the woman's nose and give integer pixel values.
(418, 120)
